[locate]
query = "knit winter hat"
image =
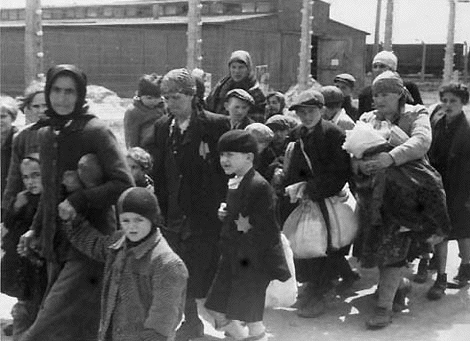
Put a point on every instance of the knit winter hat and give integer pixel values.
(387, 82)
(139, 200)
(388, 58)
(345, 78)
(149, 85)
(238, 140)
(179, 80)
(240, 94)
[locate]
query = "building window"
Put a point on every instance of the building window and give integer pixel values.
(144, 11)
(4, 15)
(92, 12)
(108, 12)
(205, 9)
(217, 8)
(131, 11)
(171, 10)
(13, 14)
(21, 14)
(119, 12)
(232, 8)
(57, 13)
(263, 7)
(80, 12)
(248, 7)
(70, 13)
(46, 14)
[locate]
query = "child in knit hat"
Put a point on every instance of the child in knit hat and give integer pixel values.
(147, 107)
(238, 103)
(144, 281)
(252, 253)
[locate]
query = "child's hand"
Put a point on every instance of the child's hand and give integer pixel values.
(222, 212)
(66, 210)
(21, 200)
(71, 181)
(25, 243)
(243, 223)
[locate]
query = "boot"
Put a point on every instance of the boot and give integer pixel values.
(235, 329)
(381, 319)
(304, 296)
(462, 278)
(399, 302)
(192, 327)
(422, 274)
(314, 308)
(257, 332)
(439, 288)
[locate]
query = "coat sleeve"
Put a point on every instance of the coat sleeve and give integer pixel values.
(14, 181)
(116, 173)
(419, 142)
(89, 240)
(169, 280)
(131, 128)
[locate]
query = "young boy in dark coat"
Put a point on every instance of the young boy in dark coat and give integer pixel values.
(252, 253)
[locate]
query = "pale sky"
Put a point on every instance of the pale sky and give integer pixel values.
(414, 20)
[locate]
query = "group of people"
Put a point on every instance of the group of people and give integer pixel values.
(122, 245)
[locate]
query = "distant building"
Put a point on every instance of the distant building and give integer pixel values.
(116, 42)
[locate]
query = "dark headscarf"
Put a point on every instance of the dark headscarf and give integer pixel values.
(80, 82)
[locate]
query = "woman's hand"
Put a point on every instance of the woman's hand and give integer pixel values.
(21, 200)
(25, 243)
(376, 163)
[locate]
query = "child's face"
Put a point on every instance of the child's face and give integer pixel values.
(280, 136)
(134, 225)
(236, 163)
(273, 105)
(31, 174)
(237, 109)
(137, 172)
(152, 101)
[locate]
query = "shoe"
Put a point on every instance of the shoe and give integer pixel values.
(235, 329)
(462, 278)
(399, 302)
(261, 337)
(347, 282)
(8, 330)
(438, 289)
(303, 297)
(314, 308)
(189, 331)
(381, 319)
(422, 274)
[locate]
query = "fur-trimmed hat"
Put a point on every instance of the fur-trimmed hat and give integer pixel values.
(139, 200)
(238, 140)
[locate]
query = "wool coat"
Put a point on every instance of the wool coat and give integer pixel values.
(249, 260)
(190, 184)
(143, 288)
(25, 142)
(454, 166)
(139, 124)
(6, 156)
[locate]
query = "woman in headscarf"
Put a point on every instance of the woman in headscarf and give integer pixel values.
(71, 307)
(400, 196)
(242, 76)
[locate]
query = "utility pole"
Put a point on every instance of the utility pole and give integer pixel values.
(305, 54)
(194, 50)
(423, 61)
(388, 26)
(33, 44)
(449, 55)
(377, 28)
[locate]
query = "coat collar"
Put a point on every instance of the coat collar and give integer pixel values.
(139, 250)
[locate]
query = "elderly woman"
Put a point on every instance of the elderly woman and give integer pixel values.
(401, 199)
(242, 76)
(450, 155)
